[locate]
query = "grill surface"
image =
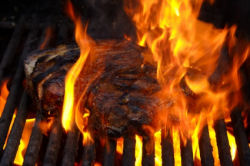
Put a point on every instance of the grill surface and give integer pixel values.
(59, 148)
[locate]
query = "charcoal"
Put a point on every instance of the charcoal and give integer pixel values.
(119, 86)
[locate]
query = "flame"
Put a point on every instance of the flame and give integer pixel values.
(45, 126)
(157, 137)
(24, 141)
(213, 142)
(138, 150)
(177, 150)
(232, 145)
(119, 145)
(3, 96)
(48, 34)
(185, 49)
(83, 41)
(3, 99)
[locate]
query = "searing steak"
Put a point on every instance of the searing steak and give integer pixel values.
(116, 85)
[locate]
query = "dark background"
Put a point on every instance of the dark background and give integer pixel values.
(108, 20)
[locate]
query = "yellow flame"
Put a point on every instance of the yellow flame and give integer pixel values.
(138, 150)
(177, 150)
(232, 145)
(158, 153)
(29, 123)
(83, 42)
(213, 142)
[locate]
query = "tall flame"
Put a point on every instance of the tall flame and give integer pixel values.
(158, 152)
(186, 51)
(83, 41)
(24, 141)
(138, 150)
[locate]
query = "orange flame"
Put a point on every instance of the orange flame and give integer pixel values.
(3, 96)
(83, 41)
(138, 150)
(119, 145)
(48, 34)
(3, 99)
(187, 50)
(24, 141)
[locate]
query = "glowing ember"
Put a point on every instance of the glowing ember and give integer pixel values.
(97, 164)
(83, 42)
(119, 145)
(138, 150)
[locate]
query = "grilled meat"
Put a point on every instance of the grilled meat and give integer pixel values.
(115, 85)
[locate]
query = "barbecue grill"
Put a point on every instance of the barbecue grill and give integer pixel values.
(61, 148)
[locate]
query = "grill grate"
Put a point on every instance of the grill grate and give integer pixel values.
(66, 149)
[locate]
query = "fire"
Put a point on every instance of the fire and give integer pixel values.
(231, 140)
(186, 51)
(83, 41)
(119, 145)
(213, 142)
(177, 150)
(24, 141)
(48, 34)
(3, 96)
(45, 126)
(138, 150)
(232, 145)
(157, 137)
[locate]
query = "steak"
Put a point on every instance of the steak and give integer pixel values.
(119, 86)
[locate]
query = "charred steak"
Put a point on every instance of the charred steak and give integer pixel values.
(119, 84)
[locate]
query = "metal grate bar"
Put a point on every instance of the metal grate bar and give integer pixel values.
(88, 157)
(222, 143)
(187, 154)
(16, 133)
(71, 147)
(148, 151)
(10, 51)
(206, 150)
(109, 154)
(15, 92)
(240, 137)
(34, 145)
(167, 148)
(54, 144)
(128, 157)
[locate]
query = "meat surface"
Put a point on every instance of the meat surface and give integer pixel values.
(116, 85)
